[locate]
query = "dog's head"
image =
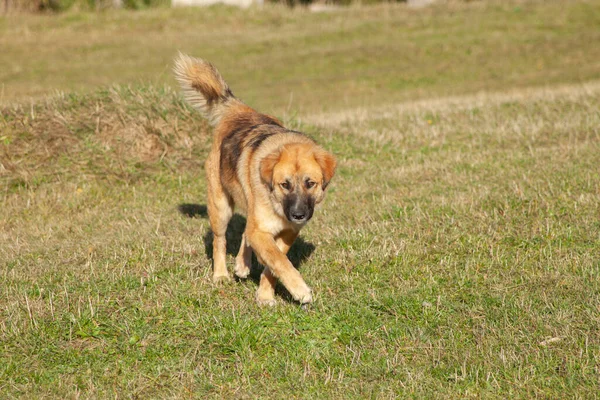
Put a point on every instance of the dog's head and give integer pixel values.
(297, 176)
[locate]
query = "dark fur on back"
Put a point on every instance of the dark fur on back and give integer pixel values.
(244, 128)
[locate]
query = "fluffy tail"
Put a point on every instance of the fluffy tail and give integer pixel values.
(203, 87)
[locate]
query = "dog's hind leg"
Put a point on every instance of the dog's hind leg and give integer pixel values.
(220, 210)
(243, 261)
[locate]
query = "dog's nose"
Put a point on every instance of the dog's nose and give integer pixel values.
(298, 216)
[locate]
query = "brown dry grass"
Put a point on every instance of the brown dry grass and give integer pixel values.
(110, 135)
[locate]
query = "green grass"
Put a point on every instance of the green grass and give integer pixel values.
(284, 60)
(456, 255)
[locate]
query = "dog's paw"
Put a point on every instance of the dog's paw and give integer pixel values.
(266, 302)
(303, 295)
(241, 269)
(221, 279)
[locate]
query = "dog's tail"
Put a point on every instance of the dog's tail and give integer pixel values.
(203, 87)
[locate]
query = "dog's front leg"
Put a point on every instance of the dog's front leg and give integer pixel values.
(243, 261)
(265, 295)
(273, 258)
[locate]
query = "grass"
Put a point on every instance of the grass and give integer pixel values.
(348, 58)
(455, 256)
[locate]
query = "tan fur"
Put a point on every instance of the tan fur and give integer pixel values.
(203, 87)
(260, 167)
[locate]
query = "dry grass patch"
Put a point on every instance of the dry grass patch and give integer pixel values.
(114, 134)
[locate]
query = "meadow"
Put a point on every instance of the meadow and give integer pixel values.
(457, 253)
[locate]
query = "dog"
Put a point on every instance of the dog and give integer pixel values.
(275, 176)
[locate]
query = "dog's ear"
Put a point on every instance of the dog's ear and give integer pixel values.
(266, 168)
(328, 164)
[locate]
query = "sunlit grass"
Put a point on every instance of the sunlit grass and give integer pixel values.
(456, 254)
(291, 60)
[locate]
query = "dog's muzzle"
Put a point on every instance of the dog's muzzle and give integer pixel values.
(298, 209)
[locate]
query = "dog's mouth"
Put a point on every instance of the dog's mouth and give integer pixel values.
(298, 218)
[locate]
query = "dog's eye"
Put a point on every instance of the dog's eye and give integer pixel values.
(285, 185)
(310, 184)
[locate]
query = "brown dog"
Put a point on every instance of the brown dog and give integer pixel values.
(274, 175)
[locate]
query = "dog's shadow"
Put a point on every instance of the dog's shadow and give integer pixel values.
(298, 253)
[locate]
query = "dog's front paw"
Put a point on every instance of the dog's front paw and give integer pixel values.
(302, 295)
(241, 269)
(266, 301)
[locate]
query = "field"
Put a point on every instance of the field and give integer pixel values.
(457, 253)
